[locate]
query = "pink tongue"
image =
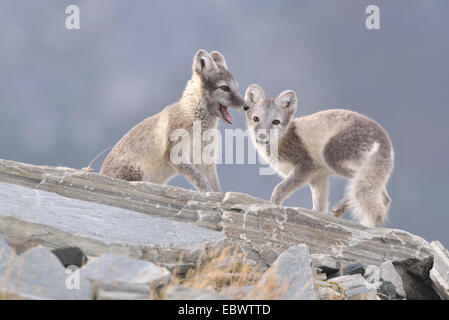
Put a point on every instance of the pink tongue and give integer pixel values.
(226, 114)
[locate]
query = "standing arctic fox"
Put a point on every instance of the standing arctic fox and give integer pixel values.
(144, 152)
(312, 147)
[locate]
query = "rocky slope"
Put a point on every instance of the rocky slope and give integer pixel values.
(172, 227)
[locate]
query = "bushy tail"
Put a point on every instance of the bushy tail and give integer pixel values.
(367, 192)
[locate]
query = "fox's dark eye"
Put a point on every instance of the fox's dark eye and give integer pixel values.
(256, 119)
(225, 88)
(276, 122)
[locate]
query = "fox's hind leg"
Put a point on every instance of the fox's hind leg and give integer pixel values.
(341, 206)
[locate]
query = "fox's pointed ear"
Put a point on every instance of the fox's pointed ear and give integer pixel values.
(254, 94)
(219, 59)
(287, 100)
(203, 62)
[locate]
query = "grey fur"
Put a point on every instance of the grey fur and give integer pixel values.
(144, 152)
(331, 142)
(352, 142)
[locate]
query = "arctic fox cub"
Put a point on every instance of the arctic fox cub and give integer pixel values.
(311, 148)
(144, 152)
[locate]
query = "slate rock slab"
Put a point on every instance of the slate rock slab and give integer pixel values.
(326, 262)
(389, 274)
(440, 271)
(56, 221)
(387, 290)
(38, 274)
(123, 278)
(293, 268)
(355, 287)
(151, 198)
(6, 253)
(265, 230)
(110, 268)
(353, 268)
(123, 291)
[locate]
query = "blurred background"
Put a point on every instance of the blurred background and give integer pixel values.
(67, 95)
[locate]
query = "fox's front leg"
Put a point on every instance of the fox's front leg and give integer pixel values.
(210, 173)
(194, 176)
(212, 177)
(292, 182)
(319, 186)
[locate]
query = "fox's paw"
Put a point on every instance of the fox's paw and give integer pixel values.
(340, 208)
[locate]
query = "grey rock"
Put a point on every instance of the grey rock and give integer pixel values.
(406, 284)
(293, 269)
(263, 229)
(372, 274)
(353, 268)
(151, 198)
(269, 230)
(440, 271)
(319, 274)
(38, 274)
(122, 277)
(6, 253)
(388, 273)
(124, 291)
(415, 288)
(326, 262)
(355, 287)
(58, 222)
(388, 290)
(327, 293)
(187, 293)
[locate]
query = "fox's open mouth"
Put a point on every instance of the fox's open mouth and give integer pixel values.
(226, 115)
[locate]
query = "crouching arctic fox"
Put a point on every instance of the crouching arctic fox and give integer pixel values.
(144, 152)
(311, 148)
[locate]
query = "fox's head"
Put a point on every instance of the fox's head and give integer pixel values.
(219, 87)
(265, 114)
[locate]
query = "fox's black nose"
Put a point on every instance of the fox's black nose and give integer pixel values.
(262, 136)
(246, 108)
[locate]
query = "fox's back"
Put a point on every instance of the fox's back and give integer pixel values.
(316, 129)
